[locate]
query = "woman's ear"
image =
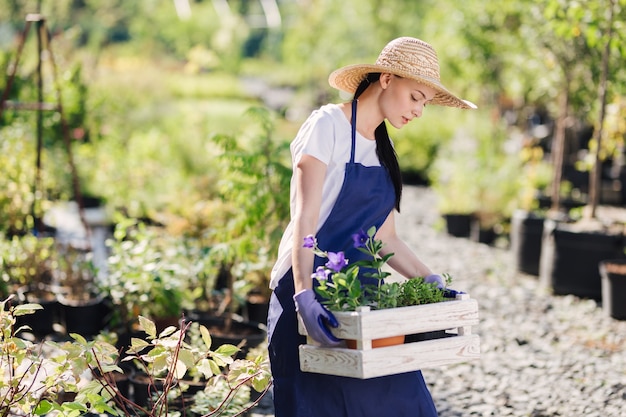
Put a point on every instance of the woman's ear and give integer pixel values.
(385, 79)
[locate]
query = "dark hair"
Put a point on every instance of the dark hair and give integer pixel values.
(384, 149)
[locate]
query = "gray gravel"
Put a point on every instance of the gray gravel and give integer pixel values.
(541, 355)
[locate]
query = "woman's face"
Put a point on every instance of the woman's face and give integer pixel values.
(403, 99)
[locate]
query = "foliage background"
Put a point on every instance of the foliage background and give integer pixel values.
(147, 85)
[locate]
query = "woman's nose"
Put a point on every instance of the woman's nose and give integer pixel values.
(417, 111)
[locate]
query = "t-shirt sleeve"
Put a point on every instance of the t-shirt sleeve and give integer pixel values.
(315, 138)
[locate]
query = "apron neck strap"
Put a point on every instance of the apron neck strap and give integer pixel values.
(353, 123)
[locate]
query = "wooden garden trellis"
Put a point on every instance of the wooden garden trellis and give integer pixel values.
(43, 51)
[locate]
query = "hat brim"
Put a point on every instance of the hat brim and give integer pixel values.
(348, 79)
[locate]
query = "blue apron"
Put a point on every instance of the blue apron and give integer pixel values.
(366, 198)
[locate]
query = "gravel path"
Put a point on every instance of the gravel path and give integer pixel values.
(541, 355)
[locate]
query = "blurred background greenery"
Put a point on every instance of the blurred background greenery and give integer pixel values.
(156, 95)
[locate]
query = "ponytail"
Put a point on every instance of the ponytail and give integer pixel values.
(384, 149)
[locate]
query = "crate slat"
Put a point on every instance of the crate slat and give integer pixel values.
(406, 320)
(389, 360)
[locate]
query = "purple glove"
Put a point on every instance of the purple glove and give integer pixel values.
(316, 318)
(435, 279)
(438, 279)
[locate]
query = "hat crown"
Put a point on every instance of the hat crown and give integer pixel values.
(410, 56)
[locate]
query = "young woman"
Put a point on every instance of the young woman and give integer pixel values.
(346, 179)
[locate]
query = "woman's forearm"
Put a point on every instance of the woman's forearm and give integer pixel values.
(310, 173)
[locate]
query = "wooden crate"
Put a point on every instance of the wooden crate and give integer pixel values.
(455, 317)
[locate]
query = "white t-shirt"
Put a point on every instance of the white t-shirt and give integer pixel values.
(325, 135)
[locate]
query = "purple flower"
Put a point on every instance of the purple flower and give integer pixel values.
(309, 242)
(336, 261)
(321, 273)
(360, 239)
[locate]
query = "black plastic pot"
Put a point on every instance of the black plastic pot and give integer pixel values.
(458, 225)
(570, 259)
(481, 234)
(257, 307)
(526, 236)
(613, 273)
(87, 318)
(143, 391)
(238, 332)
(41, 322)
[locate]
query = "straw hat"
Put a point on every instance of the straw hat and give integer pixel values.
(405, 57)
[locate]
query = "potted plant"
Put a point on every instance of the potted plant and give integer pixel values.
(571, 252)
(26, 388)
(457, 200)
(28, 265)
(255, 171)
(527, 220)
(149, 273)
(613, 275)
(253, 209)
(367, 312)
(170, 361)
(83, 308)
(80, 376)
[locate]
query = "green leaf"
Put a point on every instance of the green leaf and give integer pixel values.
(80, 339)
(215, 367)
(204, 367)
(180, 369)
(23, 309)
(92, 387)
(160, 364)
(44, 407)
(148, 326)
(227, 350)
(187, 358)
(261, 381)
(137, 344)
(75, 406)
(206, 336)
(168, 331)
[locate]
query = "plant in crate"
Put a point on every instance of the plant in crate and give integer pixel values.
(397, 317)
(340, 287)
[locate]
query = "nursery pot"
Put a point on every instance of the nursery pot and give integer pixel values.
(613, 273)
(458, 225)
(42, 322)
(87, 318)
(378, 343)
(570, 259)
(143, 390)
(526, 236)
(238, 332)
(257, 307)
(480, 234)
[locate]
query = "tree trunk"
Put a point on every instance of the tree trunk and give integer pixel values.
(558, 148)
(595, 179)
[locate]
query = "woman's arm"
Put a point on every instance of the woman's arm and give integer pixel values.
(310, 174)
(404, 260)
